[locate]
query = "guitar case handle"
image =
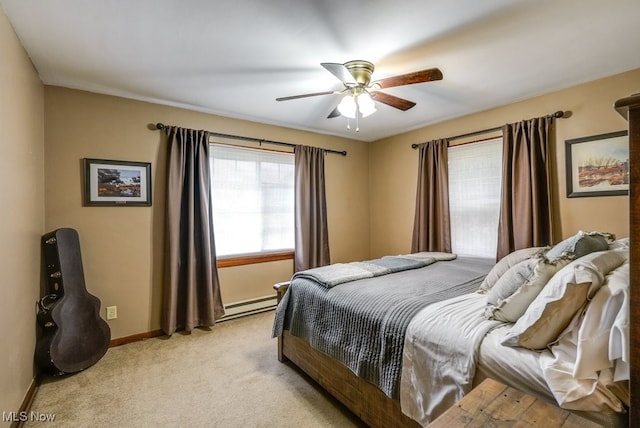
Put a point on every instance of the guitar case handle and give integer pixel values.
(45, 306)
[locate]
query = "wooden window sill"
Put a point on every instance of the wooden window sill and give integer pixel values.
(250, 259)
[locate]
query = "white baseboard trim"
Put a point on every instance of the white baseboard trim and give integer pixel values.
(248, 307)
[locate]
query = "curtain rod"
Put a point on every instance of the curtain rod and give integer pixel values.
(256, 140)
(557, 115)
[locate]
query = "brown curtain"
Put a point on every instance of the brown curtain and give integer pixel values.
(311, 233)
(525, 207)
(431, 227)
(191, 296)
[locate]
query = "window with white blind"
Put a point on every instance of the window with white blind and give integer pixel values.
(475, 180)
(252, 200)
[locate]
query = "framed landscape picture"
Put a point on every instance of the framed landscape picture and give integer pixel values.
(116, 183)
(598, 165)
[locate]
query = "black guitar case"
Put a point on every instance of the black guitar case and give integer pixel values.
(71, 335)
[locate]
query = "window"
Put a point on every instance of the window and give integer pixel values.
(252, 200)
(475, 180)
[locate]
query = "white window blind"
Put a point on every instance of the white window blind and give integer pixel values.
(252, 200)
(475, 179)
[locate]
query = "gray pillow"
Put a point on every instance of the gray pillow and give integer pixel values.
(512, 294)
(506, 263)
(511, 281)
(581, 244)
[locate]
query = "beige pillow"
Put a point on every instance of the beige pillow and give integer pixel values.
(519, 286)
(555, 317)
(506, 263)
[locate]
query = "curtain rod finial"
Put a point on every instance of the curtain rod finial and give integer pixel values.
(160, 125)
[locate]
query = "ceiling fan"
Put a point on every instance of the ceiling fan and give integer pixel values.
(360, 92)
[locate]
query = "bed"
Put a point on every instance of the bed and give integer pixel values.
(319, 328)
(380, 375)
(423, 334)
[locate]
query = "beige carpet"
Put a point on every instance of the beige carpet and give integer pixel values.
(228, 376)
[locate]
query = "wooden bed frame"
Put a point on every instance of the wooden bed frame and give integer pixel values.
(378, 410)
(629, 108)
(364, 399)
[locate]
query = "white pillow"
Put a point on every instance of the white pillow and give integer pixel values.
(620, 244)
(506, 263)
(603, 334)
(565, 294)
(519, 286)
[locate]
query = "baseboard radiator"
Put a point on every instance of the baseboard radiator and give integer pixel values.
(248, 307)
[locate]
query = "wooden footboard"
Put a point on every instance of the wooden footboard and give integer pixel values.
(364, 399)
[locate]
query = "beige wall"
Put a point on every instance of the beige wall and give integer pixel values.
(122, 246)
(22, 218)
(393, 190)
(47, 131)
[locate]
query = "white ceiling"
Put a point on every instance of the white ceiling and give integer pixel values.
(234, 58)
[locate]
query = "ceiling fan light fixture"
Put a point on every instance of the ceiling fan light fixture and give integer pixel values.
(348, 106)
(366, 105)
(353, 105)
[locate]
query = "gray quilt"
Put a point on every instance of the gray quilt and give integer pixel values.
(339, 273)
(362, 323)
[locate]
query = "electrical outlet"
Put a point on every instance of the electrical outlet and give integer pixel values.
(112, 312)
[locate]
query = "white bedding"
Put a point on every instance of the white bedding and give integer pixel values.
(592, 354)
(520, 368)
(517, 367)
(450, 343)
(440, 354)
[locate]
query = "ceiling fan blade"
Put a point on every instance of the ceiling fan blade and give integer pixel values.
(340, 71)
(334, 113)
(393, 101)
(409, 78)
(314, 94)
